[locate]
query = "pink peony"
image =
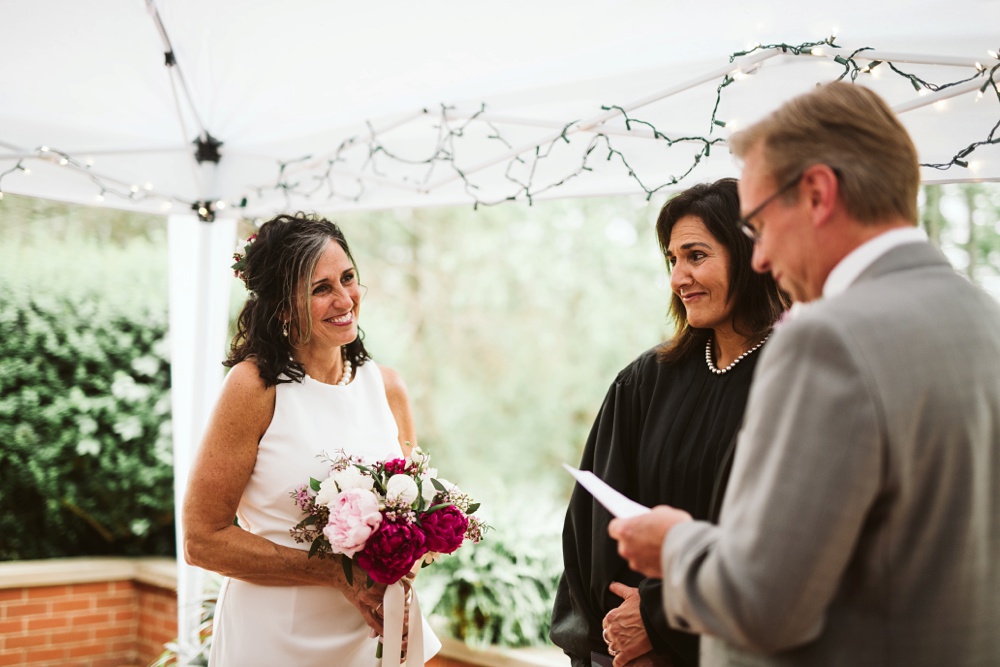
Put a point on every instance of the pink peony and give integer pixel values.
(354, 516)
(445, 529)
(391, 552)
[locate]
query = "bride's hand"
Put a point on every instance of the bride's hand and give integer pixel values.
(367, 600)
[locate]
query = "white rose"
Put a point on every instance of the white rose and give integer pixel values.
(351, 477)
(328, 493)
(400, 490)
(427, 489)
(418, 456)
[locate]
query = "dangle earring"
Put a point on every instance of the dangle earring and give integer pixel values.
(284, 328)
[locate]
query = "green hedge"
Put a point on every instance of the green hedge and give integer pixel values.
(85, 446)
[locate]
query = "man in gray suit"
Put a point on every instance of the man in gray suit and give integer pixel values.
(861, 525)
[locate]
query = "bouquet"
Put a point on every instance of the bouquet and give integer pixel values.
(385, 516)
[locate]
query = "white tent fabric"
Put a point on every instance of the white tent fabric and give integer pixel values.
(294, 91)
(325, 105)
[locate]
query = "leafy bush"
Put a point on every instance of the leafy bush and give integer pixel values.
(85, 447)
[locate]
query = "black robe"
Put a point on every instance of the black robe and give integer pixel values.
(664, 435)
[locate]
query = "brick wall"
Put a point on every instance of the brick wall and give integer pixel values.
(157, 620)
(84, 613)
(85, 625)
(120, 613)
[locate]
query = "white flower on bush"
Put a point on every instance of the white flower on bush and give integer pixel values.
(400, 490)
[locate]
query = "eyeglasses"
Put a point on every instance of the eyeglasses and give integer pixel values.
(744, 223)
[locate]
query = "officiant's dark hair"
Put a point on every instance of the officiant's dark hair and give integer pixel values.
(757, 300)
(278, 270)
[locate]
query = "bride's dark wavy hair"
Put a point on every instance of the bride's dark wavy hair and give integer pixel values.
(278, 270)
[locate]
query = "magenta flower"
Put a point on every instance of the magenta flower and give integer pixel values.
(354, 516)
(445, 529)
(391, 552)
(395, 466)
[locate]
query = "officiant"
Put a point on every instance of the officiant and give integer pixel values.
(666, 430)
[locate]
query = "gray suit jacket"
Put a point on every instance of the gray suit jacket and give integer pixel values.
(861, 525)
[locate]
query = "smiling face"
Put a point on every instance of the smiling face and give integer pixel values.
(334, 299)
(699, 274)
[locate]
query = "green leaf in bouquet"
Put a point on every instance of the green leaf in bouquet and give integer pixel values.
(314, 484)
(435, 508)
(345, 562)
(438, 485)
(472, 508)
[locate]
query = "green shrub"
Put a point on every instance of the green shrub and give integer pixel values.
(85, 443)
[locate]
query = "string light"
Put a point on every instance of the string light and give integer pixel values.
(329, 178)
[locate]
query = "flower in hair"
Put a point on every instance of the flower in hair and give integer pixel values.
(240, 266)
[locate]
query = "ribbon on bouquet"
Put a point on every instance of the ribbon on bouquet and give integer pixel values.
(394, 603)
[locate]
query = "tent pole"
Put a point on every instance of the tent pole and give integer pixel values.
(200, 286)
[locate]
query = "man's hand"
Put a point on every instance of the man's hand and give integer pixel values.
(640, 538)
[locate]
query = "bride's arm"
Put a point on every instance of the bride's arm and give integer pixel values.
(220, 473)
(399, 403)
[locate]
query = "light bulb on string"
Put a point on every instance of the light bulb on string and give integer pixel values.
(63, 162)
(148, 186)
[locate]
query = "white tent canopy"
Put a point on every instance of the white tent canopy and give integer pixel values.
(323, 105)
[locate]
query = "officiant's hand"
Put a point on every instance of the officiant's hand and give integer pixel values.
(624, 630)
(640, 538)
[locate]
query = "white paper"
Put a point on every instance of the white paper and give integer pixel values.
(619, 505)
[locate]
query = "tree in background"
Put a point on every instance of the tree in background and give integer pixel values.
(508, 323)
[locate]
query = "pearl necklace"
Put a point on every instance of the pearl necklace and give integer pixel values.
(346, 375)
(718, 371)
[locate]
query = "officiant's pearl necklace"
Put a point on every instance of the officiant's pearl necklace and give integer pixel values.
(720, 371)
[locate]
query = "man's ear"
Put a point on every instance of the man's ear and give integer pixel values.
(821, 189)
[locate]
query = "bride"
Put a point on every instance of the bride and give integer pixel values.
(301, 384)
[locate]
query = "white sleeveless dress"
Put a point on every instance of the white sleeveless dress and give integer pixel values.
(303, 626)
